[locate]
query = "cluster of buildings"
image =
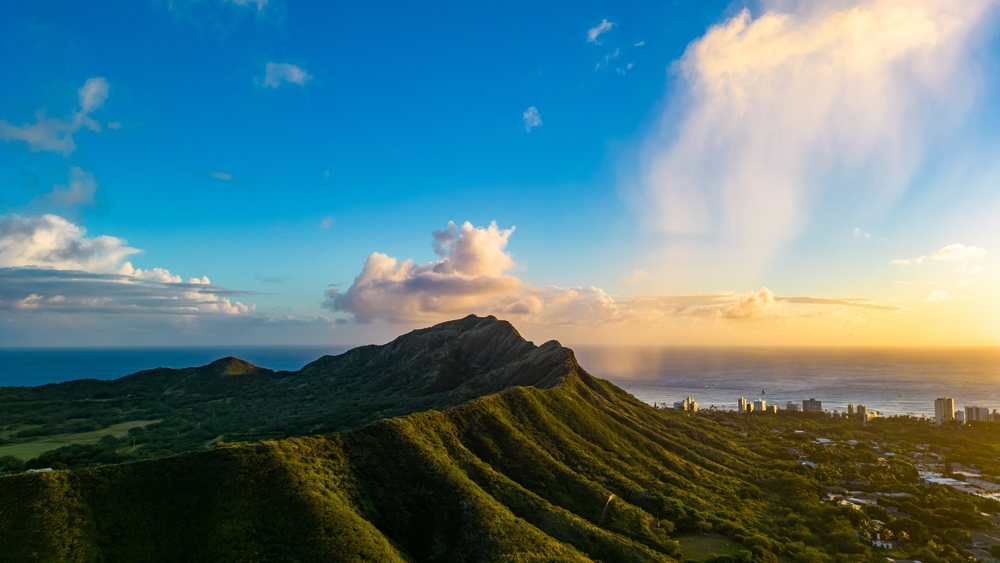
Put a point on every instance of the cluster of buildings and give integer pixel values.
(811, 404)
(944, 411)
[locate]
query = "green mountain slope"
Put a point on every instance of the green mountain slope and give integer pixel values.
(233, 400)
(532, 460)
(521, 475)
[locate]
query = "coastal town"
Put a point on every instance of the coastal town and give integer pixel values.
(902, 475)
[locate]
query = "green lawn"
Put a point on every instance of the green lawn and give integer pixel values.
(43, 444)
(696, 546)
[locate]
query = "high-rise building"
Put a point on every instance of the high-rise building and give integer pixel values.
(688, 405)
(850, 409)
(996, 416)
(960, 417)
(760, 405)
(773, 409)
(862, 412)
(812, 405)
(944, 410)
(742, 404)
(791, 406)
(977, 414)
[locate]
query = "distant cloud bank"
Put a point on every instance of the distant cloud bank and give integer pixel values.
(473, 275)
(48, 263)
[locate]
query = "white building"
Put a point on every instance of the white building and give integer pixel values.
(944, 410)
(760, 405)
(977, 414)
(687, 405)
(742, 405)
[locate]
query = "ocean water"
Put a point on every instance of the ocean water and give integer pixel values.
(896, 381)
(29, 367)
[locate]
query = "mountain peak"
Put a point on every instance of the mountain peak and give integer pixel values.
(231, 366)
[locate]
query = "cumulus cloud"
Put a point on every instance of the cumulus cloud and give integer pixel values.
(469, 276)
(48, 263)
(50, 241)
(56, 135)
(275, 74)
(776, 112)
(472, 275)
(753, 304)
(594, 33)
(531, 118)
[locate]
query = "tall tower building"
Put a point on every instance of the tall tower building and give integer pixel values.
(812, 405)
(742, 404)
(850, 409)
(944, 410)
(760, 405)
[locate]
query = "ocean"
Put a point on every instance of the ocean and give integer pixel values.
(896, 381)
(893, 381)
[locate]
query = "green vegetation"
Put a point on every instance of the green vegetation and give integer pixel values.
(520, 469)
(231, 400)
(707, 547)
(27, 450)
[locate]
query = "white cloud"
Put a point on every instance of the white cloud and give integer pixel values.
(46, 256)
(80, 191)
(326, 223)
(639, 44)
(939, 295)
(224, 176)
(259, 3)
(469, 276)
(277, 73)
(531, 118)
(952, 253)
(775, 112)
(56, 135)
(753, 304)
(49, 241)
(472, 275)
(955, 253)
(594, 33)
(635, 276)
(115, 125)
(858, 233)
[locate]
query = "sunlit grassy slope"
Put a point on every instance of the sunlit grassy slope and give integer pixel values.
(522, 474)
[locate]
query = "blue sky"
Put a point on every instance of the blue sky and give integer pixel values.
(273, 147)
